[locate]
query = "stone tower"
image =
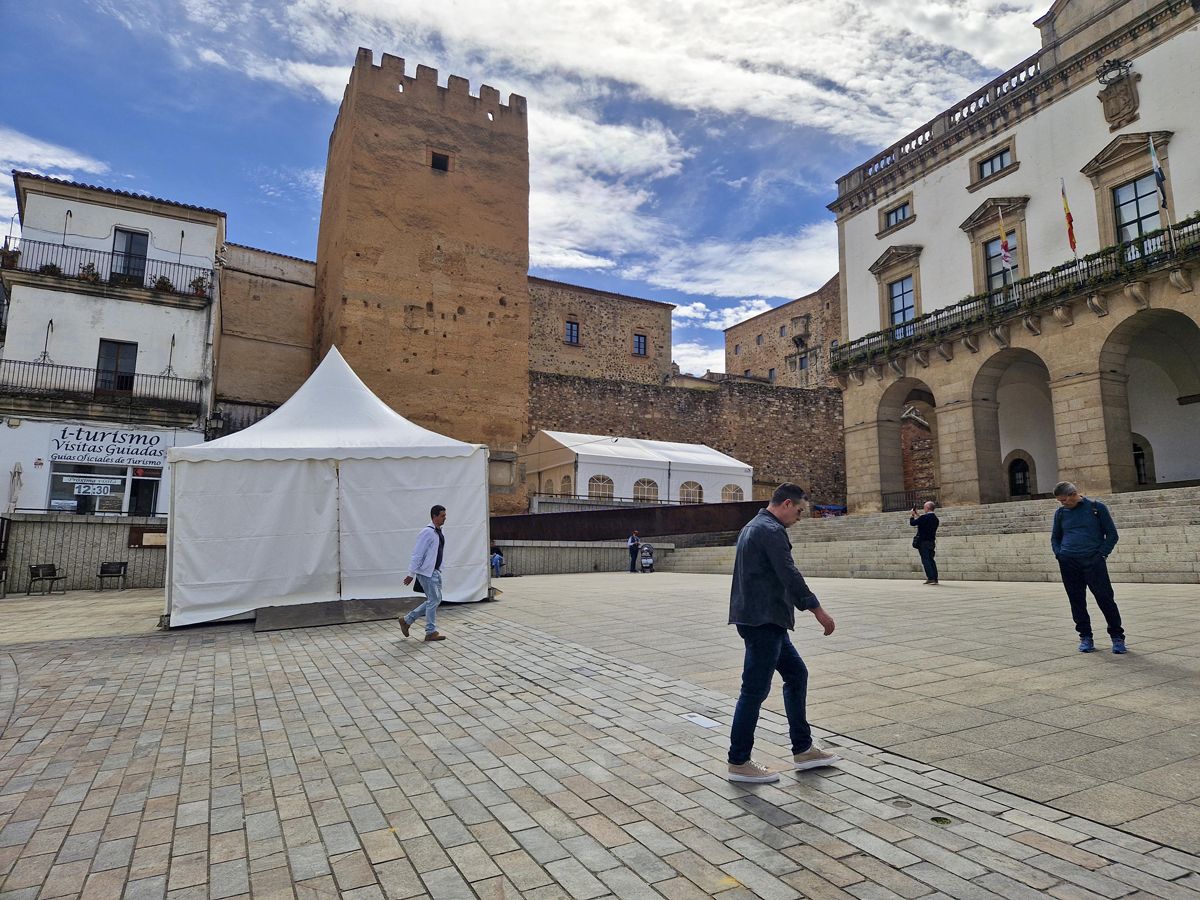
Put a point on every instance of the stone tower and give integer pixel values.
(423, 254)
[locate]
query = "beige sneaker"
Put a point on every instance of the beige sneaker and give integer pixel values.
(813, 758)
(752, 772)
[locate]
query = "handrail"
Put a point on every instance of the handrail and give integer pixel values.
(97, 267)
(1112, 265)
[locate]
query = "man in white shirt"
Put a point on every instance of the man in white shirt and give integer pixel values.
(427, 565)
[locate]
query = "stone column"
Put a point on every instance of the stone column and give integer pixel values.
(1098, 459)
(863, 483)
(968, 437)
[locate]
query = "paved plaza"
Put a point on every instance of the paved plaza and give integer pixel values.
(569, 740)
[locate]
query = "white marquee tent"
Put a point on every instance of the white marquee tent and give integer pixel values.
(565, 462)
(320, 501)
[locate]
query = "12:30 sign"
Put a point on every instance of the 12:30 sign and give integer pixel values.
(93, 490)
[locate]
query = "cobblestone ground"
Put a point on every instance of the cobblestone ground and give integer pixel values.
(504, 762)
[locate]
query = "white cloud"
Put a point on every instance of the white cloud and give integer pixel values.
(688, 313)
(21, 151)
(728, 316)
(695, 358)
(784, 265)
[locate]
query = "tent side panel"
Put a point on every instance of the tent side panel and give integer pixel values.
(251, 534)
(384, 503)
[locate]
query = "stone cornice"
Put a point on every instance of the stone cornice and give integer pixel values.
(1123, 147)
(989, 211)
(895, 255)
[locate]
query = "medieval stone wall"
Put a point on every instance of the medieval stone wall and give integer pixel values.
(264, 350)
(786, 434)
(607, 325)
(792, 339)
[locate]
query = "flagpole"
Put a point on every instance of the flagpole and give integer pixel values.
(1062, 183)
(1160, 179)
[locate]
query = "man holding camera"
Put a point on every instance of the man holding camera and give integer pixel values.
(926, 538)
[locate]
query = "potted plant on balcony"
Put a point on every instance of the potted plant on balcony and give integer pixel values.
(88, 273)
(9, 257)
(50, 269)
(199, 286)
(163, 283)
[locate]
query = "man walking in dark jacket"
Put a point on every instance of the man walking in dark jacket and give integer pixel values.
(926, 539)
(1083, 536)
(767, 588)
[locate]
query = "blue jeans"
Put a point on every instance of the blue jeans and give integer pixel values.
(428, 609)
(769, 650)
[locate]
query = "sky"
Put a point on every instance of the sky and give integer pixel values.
(680, 150)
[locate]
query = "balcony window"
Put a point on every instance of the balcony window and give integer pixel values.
(1000, 276)
(129, 257)
(902, 306)
(1135, 205)
(115, 367)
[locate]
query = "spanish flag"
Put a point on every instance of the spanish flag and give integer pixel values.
(1067, 212)
(1005, 252)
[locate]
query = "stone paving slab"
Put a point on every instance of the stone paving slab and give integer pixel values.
(505, 762)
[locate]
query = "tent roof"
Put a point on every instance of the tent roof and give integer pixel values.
(600, 447)
(332, 416)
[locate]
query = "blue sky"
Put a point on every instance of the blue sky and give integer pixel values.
(679, 151)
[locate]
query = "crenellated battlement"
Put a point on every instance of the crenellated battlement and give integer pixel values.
(391, 77)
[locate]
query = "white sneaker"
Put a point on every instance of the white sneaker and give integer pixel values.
(752, 772)
(813, 758)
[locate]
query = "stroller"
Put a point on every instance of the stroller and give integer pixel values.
(646, 558)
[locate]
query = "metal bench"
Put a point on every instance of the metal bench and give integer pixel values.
(113, 570)
(46, 573)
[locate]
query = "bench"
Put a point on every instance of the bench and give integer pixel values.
(47, 573)
(113, 570)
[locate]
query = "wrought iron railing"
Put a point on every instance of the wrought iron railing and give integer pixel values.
(53, 382)
(1120, 263)
(897, 501)
(100, 267)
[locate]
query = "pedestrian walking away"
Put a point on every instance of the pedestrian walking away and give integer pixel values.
(767, 588)
(1082, 537)
(635, 546)
(426, 567)
(925, 540)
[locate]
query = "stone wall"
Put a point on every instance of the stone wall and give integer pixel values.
(607, 325)
(790, 336)
(917, 454)
(77, 545)
(786, 434)
(265, 343)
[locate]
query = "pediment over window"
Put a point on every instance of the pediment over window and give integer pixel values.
(989, 211)
(1124, 147)
(895, 256)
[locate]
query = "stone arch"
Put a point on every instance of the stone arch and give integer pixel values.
(896, 406)
(1021, 456)
(1143, 460)
(1155, 356)
(1013, 409)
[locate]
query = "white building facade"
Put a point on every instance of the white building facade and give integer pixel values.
(106, 349)
(960, 288)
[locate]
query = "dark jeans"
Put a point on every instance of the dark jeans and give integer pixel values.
(925, 548)
(769, 650)
(633, 555)
(1081, 574)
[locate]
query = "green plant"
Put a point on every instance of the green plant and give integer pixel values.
(88, 273)
(163, 283)
(49, 269)
(199, 286)
(9, 258)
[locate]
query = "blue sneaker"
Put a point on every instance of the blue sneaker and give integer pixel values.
(1087, 645)
(1119, 647)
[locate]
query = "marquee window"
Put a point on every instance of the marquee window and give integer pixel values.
(731, 493)
(645, 489)
(566, 486)
(600, 487)
(691, 492)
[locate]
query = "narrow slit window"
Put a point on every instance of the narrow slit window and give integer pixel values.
(440, 161)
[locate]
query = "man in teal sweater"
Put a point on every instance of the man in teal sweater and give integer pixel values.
(1083, 536)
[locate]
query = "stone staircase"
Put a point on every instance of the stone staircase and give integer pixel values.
(1159, 542)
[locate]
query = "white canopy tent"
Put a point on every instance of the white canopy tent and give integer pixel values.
(567, 461)
(321, 501)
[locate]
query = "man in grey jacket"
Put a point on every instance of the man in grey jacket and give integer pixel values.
(767, 588)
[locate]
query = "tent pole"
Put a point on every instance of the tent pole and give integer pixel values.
(337, 477)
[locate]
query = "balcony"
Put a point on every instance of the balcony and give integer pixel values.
(99, 268)
(1119, 264)
(38, 381)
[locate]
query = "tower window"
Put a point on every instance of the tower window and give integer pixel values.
(440, 161)
(571, 335)
(639, 345)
